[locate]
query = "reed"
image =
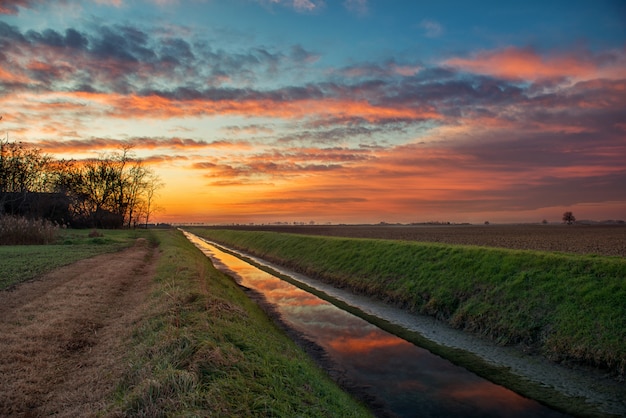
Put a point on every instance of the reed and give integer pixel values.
(17, 230)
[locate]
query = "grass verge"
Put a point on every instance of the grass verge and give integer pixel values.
(205, 349)
(567, 307)
(19, 263)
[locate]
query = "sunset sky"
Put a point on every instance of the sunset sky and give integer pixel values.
(342, 111)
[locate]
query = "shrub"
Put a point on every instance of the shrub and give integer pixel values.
(17, 230)
(95, 234)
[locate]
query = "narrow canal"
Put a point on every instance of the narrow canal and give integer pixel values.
(398, 377)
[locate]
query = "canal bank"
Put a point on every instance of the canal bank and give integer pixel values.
(577, 392)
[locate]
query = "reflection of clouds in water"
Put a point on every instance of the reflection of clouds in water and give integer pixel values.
(280, 292)
(492, 397)
(352, 341)
(318, 315)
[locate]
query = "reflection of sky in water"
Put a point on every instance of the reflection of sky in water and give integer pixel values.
(410, 380)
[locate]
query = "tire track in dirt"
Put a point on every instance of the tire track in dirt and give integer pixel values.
(62, 336)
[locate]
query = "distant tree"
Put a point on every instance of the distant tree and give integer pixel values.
(569, 218)
(545, 222)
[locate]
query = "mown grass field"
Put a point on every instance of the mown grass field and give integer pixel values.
(568, 307)
(206, 349)
(19, 263)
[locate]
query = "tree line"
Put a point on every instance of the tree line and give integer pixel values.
(112, 191)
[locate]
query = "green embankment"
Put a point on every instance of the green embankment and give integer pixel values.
(19, 263)
(205, 349)
(568, 307)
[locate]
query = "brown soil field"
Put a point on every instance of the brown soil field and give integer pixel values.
(609, 240)
(64, 334)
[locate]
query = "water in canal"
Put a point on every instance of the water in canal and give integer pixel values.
(407, 380)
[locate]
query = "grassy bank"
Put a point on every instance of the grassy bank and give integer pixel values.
(205, 349)
(568, 307)
(23, 262)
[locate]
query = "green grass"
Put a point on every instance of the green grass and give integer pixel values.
(19, 263)
(205, 349)
(567, 307)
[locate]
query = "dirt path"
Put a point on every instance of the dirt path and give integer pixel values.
(62, 336)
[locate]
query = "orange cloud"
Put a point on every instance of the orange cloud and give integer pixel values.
(154, 106)
(157, 106)
(11, 77)
(526, 64)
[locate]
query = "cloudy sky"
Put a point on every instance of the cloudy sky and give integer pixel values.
(333, 110)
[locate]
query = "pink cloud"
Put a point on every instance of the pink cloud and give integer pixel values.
(161, 107)
(10, 7)
(115, 3)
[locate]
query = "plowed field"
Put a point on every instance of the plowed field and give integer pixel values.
(579, 239)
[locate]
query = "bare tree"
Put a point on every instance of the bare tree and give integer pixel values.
(152, 185)
(569, 218)
(137, 186)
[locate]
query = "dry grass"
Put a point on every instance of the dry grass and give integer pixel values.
(16, 230)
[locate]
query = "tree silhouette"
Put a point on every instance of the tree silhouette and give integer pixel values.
(111, 191)
(569, 218)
